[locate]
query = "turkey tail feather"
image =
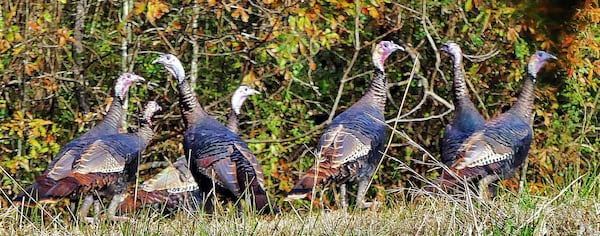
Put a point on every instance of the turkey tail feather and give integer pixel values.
(31, 194)
(136, 201)
(305, 185)
(76, 184)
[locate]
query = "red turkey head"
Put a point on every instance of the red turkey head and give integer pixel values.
(382, 51)
(173, 65)
(124, 82)
(239, 96)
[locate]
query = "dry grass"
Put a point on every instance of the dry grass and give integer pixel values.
(572, 210)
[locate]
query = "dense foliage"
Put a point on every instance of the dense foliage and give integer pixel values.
(310, 60)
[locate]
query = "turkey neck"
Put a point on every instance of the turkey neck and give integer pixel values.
(461, 93)
(111, 122)
(376, 93)
(145, 132)
(233, 121)
(524, 106)
(188, 103)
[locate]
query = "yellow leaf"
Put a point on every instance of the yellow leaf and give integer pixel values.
(139, 7)
(468, 5)
(373, 12)
(249, 78)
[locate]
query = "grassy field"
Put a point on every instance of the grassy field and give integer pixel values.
(569, 210)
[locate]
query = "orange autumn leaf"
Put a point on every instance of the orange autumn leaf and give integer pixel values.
(34, 26)
(30, 68)
(156, 9)
(240, 12)
(62, 41)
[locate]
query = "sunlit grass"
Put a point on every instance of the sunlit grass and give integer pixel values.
(565, 211)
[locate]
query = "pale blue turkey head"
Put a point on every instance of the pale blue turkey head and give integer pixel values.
(537, 61)
(173, 65)
(454, 50)
(239, 96)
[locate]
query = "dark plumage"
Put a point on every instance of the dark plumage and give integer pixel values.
(496, 151)
(107, 166)
(351, 147)
(466, 118)
(174, 188)
(65, 160)
(216, 155)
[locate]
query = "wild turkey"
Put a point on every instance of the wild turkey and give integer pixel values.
(351, 147)
(216, 155)
(66, 157)
(238, 98)
(496, 151)
(466, 118)
(107, 166)
(174, 187)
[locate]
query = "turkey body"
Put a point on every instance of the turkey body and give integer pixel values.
(106, 166)
(174, 188)
(69, 155)
(496, 151)
(466, 118)
(219, 159)
(351, 147)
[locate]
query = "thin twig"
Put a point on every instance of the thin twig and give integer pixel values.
(349, 68)
(432, 43)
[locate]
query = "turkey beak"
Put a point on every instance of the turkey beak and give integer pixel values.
(254, 91)
(445, 48)
(157, 60)
(397, 47)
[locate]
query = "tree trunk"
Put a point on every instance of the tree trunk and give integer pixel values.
(78, 71)
(124, 52)
(195, 46)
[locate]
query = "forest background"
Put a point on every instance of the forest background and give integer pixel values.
(310, 60)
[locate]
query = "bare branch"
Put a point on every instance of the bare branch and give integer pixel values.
(349, 68)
